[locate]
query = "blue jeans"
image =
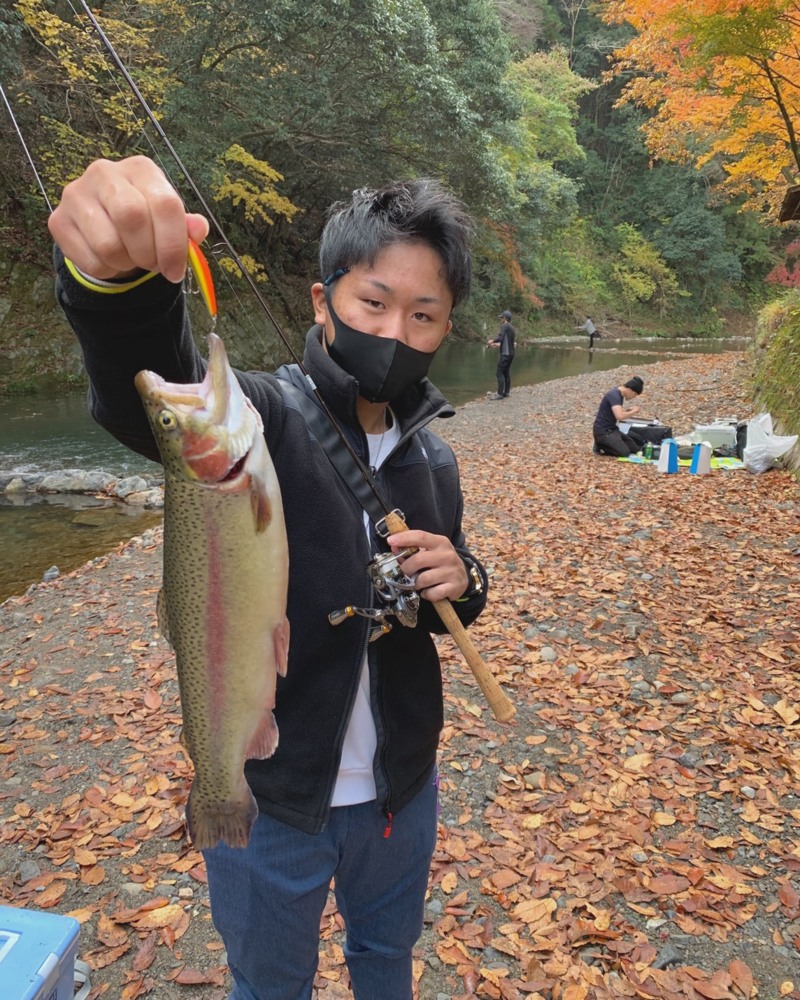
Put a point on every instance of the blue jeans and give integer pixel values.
(267, 899)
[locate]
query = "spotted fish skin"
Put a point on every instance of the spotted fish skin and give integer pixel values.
(223, 601)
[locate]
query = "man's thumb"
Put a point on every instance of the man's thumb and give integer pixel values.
(196, 226)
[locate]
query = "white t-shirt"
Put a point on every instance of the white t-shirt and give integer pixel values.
(356, 782)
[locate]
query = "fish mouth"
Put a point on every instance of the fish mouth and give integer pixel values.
(212, 394)
(217, 419)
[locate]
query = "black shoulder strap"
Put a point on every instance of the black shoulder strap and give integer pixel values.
(340, 458)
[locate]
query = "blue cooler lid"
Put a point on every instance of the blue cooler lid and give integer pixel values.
(31, 946)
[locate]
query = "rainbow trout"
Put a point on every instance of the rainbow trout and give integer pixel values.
(223, 601)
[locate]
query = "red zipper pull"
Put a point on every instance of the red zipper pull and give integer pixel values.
(387, 832)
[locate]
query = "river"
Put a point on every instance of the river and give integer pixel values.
(49, 433)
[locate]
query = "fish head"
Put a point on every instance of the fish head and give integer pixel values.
(204, 430)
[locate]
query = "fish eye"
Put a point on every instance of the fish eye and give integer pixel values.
(167, 420)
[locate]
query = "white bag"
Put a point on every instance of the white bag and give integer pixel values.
(763, 447)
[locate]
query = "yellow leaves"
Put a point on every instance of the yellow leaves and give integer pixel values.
(250, 183)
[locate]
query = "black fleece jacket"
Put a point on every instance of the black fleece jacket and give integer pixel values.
(147, 327)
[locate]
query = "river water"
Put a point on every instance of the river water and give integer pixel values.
(50, 433)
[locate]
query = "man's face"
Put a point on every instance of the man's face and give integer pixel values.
(628, 393)
(402, 296)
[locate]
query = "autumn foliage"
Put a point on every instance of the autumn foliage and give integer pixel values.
(722, 78)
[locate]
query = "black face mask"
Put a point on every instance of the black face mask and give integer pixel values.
(382, 366)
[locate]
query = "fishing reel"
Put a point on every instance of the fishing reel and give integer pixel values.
(394, 588)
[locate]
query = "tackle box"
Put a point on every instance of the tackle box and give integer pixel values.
(37, 955)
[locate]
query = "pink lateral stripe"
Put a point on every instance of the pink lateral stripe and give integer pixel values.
(215, 629)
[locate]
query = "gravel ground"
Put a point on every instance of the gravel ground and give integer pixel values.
(646, 628)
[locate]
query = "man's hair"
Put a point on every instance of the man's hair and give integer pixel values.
(418, 211)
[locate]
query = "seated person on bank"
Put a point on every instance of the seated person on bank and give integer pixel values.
(608, 438)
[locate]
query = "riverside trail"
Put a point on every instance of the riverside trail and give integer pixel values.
(632, 833)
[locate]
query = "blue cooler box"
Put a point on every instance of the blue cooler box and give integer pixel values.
(37, 955)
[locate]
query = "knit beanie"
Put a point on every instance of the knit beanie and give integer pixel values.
(636, 384)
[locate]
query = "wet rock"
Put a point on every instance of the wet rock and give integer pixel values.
(65, 481)
(133, 484)
(51, 574)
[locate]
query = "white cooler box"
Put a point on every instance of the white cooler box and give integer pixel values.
(718, 435)
(37, 956)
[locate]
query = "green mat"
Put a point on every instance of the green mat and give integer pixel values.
(716, 463)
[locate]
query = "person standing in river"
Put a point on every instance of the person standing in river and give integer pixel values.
(505, 342)
(591, 329)
(350, 794)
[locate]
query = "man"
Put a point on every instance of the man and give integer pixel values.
(608, 438)
(591, 329)
(350, 791)
(505, 342)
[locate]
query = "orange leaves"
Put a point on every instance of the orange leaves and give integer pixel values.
(723, 82)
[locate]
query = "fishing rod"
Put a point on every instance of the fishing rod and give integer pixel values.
(387, 577)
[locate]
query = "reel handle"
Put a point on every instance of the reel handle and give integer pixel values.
(501, 706)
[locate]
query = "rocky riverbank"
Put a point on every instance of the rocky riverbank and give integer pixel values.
(145, 491)
(633, 832)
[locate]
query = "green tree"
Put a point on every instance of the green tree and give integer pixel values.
(642, 274)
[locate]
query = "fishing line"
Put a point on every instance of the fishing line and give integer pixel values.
(107, 44)
(25, 149)
(216, 251)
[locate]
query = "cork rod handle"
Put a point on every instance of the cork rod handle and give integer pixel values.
(501, 706)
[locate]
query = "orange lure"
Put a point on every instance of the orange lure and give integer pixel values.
(202, 274)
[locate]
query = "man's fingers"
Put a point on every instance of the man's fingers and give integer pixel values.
(122, 215)
(152, 219)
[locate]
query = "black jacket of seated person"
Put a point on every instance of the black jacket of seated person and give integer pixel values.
(608, 438)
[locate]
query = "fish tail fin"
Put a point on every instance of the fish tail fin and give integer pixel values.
(264, 741)
(230, 821)
(280, 637)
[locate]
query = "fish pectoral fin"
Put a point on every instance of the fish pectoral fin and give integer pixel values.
(265, 739)
(257, 465)
(280, 638)
(259, 499)
(163, 617)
